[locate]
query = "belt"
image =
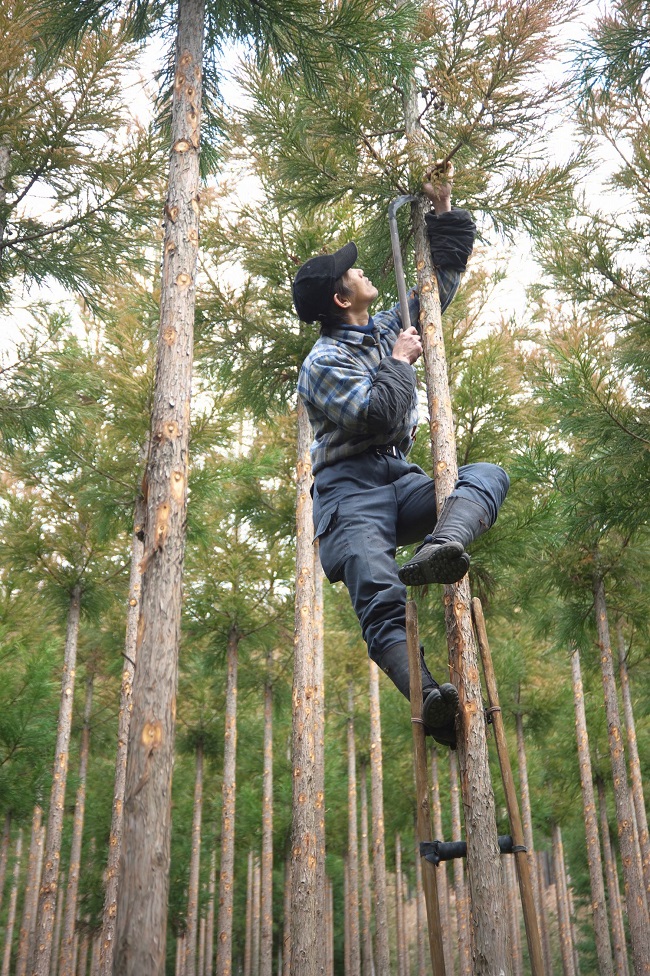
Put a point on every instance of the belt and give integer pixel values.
(390, 449)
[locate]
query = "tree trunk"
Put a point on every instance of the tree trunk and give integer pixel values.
(84, 943)
(319, 742)
(636, 778)
(4, 855)
(191, 931)
(441, 870)
(226, 873)
(112, 875)
(637, 912)
(266, 934)
(367, 964)
(94, 957)
(543, 915)
(248, 937)
(615, 912)
(306, 900)
(58, 924)
(462, 908)
(346, 918)
(353, 842)
(563, 912)
(13, 899)
(487, 905)
(209, 935)
(74, 868)
(142, 922)
(255, 942)
(421, 917)
(49, 881)
(30, 902)
(378, 839)
(402, 940)
(512, 900)
(286, 908)
(201, 966)
(598, 907)
(330, 926)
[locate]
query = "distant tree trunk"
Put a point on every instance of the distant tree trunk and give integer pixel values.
(319, 742)
(142, 922)
(636, 778)
(367, 965)
(255, 947)
(421, 917)
(330, 925)
(598, 906)
(94, 958)
(443, 887)
(191, 931)
(30, 901)
(402, 948)
(637, 912)
(462, 911)
(4, 854)
(201, 968)
(13, 899)
(543, 918)
(487, 905)
(248, 936)
(58, 924)
(615, 912)
(512, 902)
(378, 840)
(84, 944)
(49, 881)
(306, 900)
(353, 842)
(112, 876)
(226, 873)
(286, 909)
(209, 935)
(346, 917)
(74, 868)
(266, 934)
(563, 911)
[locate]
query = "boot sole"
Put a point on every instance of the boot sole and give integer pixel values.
(440, 710)
(444, 564)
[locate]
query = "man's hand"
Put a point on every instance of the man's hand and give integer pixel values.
(408, 346)
(439, 189)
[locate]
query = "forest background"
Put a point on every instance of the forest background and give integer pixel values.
(544, 109)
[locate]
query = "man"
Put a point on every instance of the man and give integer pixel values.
(359, 387)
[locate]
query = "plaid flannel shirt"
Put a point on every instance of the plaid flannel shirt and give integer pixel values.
(337, 376)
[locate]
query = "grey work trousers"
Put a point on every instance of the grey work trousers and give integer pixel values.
(366, 506)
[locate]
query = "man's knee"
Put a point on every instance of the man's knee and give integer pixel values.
(484, 483)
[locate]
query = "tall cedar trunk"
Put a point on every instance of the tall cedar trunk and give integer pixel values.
(209, 935)
(402, 939)
(49, 881)
(306, 905)
(202, 939)
(142, 922)
(367, 965)
(346, 917)
(249, 918)
(421, 917)
(330, 925)
(319, 742)
(443, 887)
(637, 912)
(462, 908)
(195, 868)
(4, 855)
(615, 912)
(84, 945)
(488, 916)
(58, 924)
(94, 957)
(527, 824)
(378, 839)
(255, 942)
(543, 915)
(266, 933)
(13, 899)
(74, 868)
(634, 764)
(598, 907)
(286, 916)
(563, 911)
(112, 875)
(31, 894)
(353, 843)
(226, 872)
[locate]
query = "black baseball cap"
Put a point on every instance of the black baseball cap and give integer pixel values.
(314, 284)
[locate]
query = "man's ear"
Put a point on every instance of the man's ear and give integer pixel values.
(341, 302)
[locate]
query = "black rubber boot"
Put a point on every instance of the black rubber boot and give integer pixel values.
(442, 558)
(439, 702)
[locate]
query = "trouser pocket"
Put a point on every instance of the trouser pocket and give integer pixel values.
(332, 544)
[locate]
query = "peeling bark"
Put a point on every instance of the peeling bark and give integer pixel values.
(441, 870)
(462, 908)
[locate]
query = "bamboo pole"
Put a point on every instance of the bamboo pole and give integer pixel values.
(429, 880)
(516, 828)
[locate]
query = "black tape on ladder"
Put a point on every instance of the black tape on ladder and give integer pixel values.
(440, 850)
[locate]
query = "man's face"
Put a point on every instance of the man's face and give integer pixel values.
(361, 291)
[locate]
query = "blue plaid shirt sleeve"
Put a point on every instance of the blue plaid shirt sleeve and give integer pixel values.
(391, 320)
(340, 387)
